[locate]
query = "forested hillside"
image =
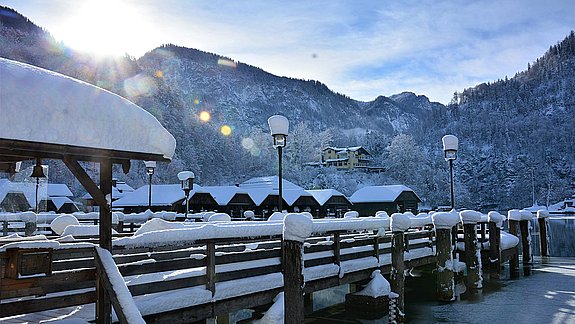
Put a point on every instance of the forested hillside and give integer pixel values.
(514, 133)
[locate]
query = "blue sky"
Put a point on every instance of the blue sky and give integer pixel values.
(359, 48)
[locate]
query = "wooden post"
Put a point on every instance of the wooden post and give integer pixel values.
(5, 228)
(293, 282)
(471, 258)
(445, 281)
(544, 244)
(211, 266)
(514, 262)
(296, 229)
(104, 305)
(336, 249)
(494, 250)
(526, 247)
(376, 247)
(398, 272)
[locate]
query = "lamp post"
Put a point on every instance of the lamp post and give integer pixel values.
(38, 172)
(450, 144)
(279, 126)
(150, 167)
(187, 180)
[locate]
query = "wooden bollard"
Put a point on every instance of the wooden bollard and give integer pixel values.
(297, 228)
(444, 223)
(495, 222)
(470, 218)
(399, 224)
(526, 217)
(513, 220)
(543, 239)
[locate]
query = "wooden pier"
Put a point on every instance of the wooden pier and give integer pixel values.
(202, 279)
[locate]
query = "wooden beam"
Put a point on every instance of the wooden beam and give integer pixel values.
(86, 181)
(104, 305)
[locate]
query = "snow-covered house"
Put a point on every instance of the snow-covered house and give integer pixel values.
(60, 199)
(119, 190)
(346, 157)
(394, 198)
(21, 196)
(164, 197)
(331, 202)
(264, 191)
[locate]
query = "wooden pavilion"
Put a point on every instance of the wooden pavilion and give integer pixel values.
(46, 115)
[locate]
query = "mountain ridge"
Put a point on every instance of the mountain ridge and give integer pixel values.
(507, 118)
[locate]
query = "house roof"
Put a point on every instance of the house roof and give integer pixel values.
(270, 182)
(323, 195)
(162, 195)
(60, 201)
(371, 194)
(59, 190)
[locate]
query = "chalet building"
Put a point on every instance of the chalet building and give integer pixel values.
(346, 158)
(392, 199)
(119, 190)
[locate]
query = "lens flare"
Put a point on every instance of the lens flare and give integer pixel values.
(196, 102)
(226, 130)
(159, 74)
(247, 143)
(205, 116)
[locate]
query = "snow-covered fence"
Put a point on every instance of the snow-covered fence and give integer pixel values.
(186, 274)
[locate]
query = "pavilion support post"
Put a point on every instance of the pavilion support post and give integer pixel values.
(526, 247)
(514, 262)
(494, 250)
(104, 305)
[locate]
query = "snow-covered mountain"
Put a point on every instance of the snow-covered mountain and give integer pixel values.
(526, 118)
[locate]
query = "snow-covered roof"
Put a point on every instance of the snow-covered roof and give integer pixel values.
(60, 201)
(123, 187)
(258, 195)
(378, 194)
(341, 150)
(336, 160)
(323, 195)
(268, 182)
(59, 190)
(116, 194)
(291, 195)
(162, 195)
(26, 188)
(222, 194)
(43, 106)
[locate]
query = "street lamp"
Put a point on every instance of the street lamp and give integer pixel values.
(150, 167)
(38, 172)
(450, 144)
(279, 126)
(187, 180)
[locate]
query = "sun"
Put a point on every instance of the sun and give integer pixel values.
(106, 27)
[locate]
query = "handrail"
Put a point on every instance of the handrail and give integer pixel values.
(113, 283)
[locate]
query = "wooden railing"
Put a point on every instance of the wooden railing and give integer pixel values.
(205, 268)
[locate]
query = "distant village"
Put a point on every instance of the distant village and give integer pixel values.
(259, 195)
